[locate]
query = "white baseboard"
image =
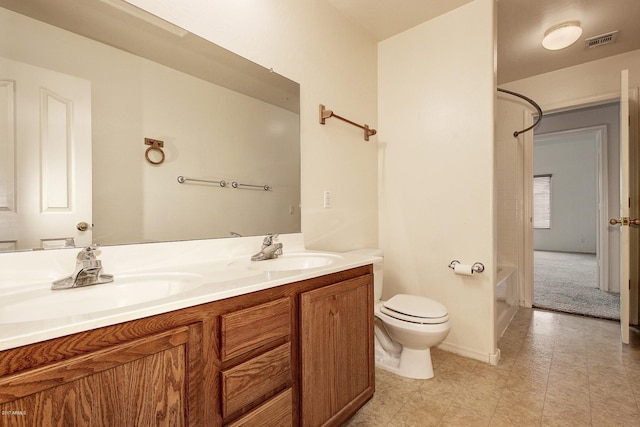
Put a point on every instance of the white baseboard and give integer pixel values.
(492, 359)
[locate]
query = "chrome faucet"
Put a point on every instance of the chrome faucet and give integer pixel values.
(269, 250)
(88, 271)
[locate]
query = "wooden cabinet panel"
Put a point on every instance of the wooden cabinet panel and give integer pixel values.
(275, 412)
(246, 383)
(143, 382)
(245, 330)
(336, 351)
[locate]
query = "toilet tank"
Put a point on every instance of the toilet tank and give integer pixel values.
(377, 270)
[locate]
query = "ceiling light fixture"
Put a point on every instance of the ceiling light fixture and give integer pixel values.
(562, 35)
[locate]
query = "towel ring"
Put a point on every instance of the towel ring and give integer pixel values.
(156, 145)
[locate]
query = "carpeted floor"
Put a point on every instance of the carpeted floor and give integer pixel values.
(568, 282)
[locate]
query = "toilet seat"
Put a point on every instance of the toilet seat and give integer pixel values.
(415, 309)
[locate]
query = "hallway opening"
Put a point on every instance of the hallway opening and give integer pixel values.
(576, 253)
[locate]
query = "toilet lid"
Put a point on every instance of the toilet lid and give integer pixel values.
(416, 309)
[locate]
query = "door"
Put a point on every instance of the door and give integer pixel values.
(45, 174)
(624, 221)
(336, 351)
(144, 382)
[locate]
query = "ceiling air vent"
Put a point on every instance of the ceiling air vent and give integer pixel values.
(596, 41)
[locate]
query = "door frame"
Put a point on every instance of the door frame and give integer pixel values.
(634, 211)
(526, 292)
(602, 240)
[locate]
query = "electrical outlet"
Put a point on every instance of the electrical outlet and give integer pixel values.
(326, 199)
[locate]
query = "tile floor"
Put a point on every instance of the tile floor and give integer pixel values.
(555, 370)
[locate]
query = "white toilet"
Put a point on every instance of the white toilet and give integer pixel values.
(406, 327)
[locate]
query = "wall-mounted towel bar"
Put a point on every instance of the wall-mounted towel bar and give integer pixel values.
(223, 183)
(265, 187)
(325, 114)
(530, 101)
(182, 180)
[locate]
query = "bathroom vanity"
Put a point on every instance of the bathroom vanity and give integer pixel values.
(295, 352)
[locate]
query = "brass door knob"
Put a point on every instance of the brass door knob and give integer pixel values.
(82, 226)
(624, 221)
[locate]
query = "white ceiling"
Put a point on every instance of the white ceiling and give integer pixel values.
(385, 18)
(521, 25)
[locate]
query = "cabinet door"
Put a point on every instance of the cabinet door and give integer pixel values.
(336, 351)
(142, 382)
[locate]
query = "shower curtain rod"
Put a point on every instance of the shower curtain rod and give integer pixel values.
(530, 101)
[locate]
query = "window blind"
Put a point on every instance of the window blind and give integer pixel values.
(542, 201)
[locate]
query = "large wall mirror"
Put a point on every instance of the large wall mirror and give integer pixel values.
(103, 107)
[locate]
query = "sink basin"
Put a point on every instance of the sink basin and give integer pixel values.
(124, 291)
(295, 261)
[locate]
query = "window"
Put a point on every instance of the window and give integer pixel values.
(542, 201)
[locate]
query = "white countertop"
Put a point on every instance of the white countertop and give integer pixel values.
(222, 267)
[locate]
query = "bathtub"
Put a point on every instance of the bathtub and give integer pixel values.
(506, 297)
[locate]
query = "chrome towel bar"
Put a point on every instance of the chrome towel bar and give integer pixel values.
(265, 187)
(182, 180)
(223, 183)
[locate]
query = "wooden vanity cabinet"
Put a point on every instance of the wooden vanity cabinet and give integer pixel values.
(297, 354)
(256, 363)
(101, 378)
(337, 355)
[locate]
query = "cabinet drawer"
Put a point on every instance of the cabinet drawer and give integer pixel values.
(245, 330)
(275, 412)
(247, 382)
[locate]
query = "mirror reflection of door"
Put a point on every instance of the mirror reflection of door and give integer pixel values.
(45, 161)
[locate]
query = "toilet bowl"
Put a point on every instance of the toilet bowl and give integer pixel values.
(415, 330)
(406, 328)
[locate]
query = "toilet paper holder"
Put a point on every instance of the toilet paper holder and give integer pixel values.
(477, 267)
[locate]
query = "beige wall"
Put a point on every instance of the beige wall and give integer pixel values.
(436, 114)
(335, 64)
(435, 142)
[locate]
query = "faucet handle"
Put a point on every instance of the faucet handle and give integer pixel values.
(268, 241)
(87, 253)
